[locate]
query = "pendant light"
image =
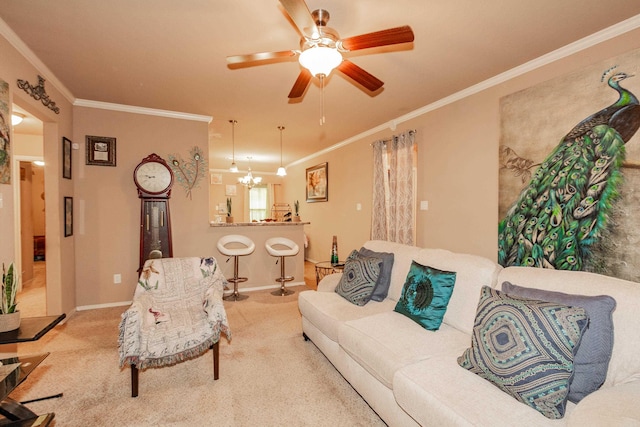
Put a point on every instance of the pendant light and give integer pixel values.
(281, 169)
(233, 167)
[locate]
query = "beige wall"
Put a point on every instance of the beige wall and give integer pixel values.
(458, 175)
(106, 204)
(457, 169)
(60, 251)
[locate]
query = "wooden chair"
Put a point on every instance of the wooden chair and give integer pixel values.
(176, 314)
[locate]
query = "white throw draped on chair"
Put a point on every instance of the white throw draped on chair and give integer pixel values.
(177, 312)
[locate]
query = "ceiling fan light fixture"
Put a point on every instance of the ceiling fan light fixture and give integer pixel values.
(320, 60)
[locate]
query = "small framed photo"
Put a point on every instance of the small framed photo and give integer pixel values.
(68, 216)
(101, 150)
(66, 158)
(230, 190)
(318, 183)
(216, 178)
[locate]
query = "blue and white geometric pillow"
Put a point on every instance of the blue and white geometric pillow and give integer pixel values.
(358, 279)
(526, 348)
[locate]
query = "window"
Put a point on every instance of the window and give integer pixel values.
(258, 203)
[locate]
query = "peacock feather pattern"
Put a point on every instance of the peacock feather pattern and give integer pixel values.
(189, 173)
(564, 209)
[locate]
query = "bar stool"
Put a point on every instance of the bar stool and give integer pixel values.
(292, 249)
(248, 248)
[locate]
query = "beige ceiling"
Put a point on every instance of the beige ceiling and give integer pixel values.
(170, 55)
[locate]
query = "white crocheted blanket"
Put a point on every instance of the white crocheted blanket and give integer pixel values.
(177, 312)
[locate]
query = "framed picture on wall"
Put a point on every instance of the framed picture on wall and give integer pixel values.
(101, 151)
(66, 158)
(317, 183)
(68, 216)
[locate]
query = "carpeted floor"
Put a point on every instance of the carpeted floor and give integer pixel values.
(269, 376)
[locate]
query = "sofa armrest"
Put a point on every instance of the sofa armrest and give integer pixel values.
(329, 282)
(610, 406)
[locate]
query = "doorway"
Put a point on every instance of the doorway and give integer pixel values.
(29, 205)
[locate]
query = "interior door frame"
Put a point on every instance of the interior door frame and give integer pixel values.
(17, 223)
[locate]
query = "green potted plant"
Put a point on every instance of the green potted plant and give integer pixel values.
(229, 217)
(9, 316)
(296, 208)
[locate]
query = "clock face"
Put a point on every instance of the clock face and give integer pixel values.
(153, 177)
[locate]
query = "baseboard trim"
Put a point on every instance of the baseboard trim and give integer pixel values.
(127, 303)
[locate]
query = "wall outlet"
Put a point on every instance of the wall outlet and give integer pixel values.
(117, 278)
(424, 205)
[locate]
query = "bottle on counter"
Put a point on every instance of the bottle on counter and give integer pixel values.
(334, 251)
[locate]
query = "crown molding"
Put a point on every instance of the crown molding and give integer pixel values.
(24, 50)
(615, 30)
(141, 110)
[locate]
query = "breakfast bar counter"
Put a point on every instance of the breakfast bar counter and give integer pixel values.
(260, 268)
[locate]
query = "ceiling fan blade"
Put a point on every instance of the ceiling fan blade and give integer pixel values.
(379, 38)
(301, 16)
(240, 59)
(301, 84)
(367, 80)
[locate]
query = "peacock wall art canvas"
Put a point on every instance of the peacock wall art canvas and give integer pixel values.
(570, 172)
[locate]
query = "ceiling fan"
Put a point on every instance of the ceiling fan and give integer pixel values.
(321, 48)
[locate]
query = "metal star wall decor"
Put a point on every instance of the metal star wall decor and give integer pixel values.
(189, 172)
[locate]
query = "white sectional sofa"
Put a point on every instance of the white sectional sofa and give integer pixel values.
(411, 376)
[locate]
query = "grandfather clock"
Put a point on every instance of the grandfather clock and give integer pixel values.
(153, 178)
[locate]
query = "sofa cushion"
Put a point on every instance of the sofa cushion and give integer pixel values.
(358, 279)
(436, 392)
(526, 348)
(385, 342)
(472, 273)
(425, 295)
(328, 310)
(403, 255)
(381, 288)
(625, 363)
(592, 359)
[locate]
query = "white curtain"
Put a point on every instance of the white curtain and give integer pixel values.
(393, 216)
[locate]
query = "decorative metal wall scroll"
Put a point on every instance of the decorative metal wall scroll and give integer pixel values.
(39, 93)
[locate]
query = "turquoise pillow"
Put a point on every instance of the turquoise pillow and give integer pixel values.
(358, 279)
(425, 295)
(526, 348)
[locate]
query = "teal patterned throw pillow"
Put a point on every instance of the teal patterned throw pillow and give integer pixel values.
(358, 279)
(526, 348)
(425, 295)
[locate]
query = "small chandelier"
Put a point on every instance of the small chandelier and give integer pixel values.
(281, 170)
(249, 180)
(233, 167)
